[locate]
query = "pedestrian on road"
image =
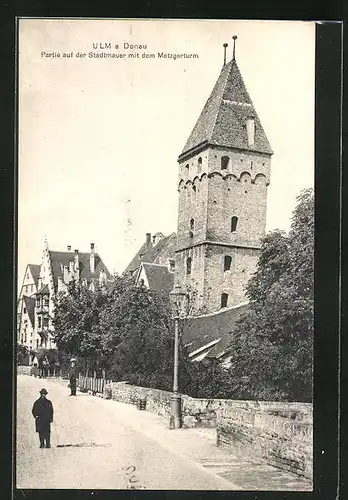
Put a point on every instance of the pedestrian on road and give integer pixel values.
(43, 413)
(72, 377)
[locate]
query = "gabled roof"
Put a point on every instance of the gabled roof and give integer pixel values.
(165, 246)
(202, 330)
(159, 277)
(60, 259)
(30, 307)
(222, 120)
(35, 271)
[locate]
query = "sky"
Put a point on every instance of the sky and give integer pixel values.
(99, 137)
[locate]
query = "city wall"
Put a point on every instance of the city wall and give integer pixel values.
(279, 433)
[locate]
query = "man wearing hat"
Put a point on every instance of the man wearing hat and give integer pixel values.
(43, 413)
(72, 377)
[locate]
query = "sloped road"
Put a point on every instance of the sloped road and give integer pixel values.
(101, 447)
(99, 444)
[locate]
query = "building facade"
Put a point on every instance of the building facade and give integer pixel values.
(224, 171)
(57, 270)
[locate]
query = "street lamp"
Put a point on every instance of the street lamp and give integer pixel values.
(178, 300)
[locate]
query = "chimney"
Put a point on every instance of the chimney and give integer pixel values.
(76, 265)
(148, 240)
(250, 126)
(69, 248)
(92, 259)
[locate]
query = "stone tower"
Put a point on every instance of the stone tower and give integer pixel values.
(224, 171)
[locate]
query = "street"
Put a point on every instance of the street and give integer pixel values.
(101, 444)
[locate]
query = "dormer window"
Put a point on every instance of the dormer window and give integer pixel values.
(234, 222)
(224, 162)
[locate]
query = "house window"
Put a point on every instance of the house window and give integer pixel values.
(38, 301)
(37, 342)
(45, 322)
(227, 262)
(234, 222)
(192, 224)
(224, 299)
(24, 310)
(187, 169)
(46, 301)
(188, 265)
(39, 321)
(172, 265)
(224, 162)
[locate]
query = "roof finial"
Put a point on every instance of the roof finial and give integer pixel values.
(225, 45)
(234, 47)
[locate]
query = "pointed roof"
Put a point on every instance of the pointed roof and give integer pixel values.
(30, 306)
(164, 248)
(61, 259)
(159, 277)
(222, 120)
(35, 272)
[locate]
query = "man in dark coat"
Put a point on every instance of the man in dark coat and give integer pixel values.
(43, 413)
(72, 376)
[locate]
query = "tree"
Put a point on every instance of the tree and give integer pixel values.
(273, 342)
(76, 321)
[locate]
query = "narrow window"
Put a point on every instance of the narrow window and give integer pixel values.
(38, 301)
(234, 222)
(199, 164)
(39, 321)
(45, 322)
(187, 169)
(172, 265)
(194, 189)
(224, 162)
(192, 224)
(24, 310)
(224, 299)
(46, 301)
(188, 265)
(227, 262)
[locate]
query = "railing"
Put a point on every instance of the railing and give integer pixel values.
(94, 384)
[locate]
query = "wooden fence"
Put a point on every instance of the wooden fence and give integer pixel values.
(94, 384)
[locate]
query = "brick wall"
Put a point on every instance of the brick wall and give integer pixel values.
(280, 433)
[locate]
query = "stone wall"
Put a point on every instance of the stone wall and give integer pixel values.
(279, 433)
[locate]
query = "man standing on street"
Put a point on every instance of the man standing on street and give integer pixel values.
(73, 376)
(43, 413)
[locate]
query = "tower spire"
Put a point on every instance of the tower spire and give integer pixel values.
(225, 45)
(234, 47)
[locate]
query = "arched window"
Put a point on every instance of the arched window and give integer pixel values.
(192, 224)
(234, 222)
(194, 189)
(187, 169)
(188, 265)
(224, 299)
(224, 162)
(199, 164)
(227, 262)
